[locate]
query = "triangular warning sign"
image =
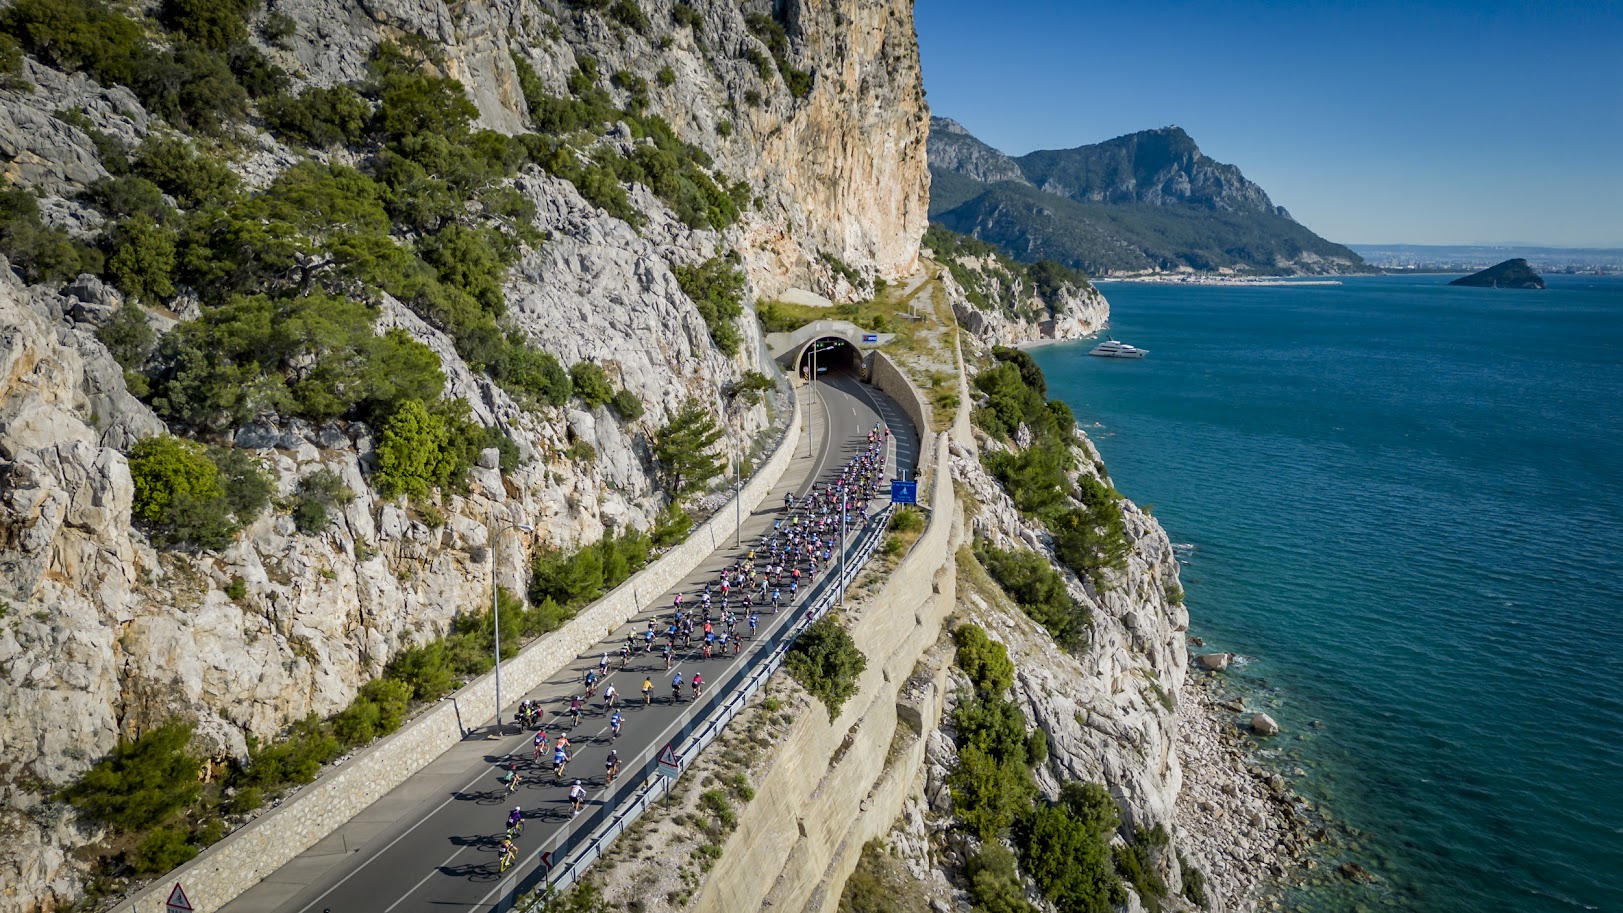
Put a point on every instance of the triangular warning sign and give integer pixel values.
(177, 902)
(666, 757)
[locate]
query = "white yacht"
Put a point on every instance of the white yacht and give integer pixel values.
(1110, 348)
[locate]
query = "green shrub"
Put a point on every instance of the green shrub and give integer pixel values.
(143, 782)
(1092, 538)
(378, 710)
(318, 493)
(717, 290)
(667, 76)
(826, 662)
(993, 726)
(192, 179)
(724, 128)
(182, 496)
(988, 794)
(237, 589)
(41, 254)
(141, 259)
(127, 195)
(313, 356)
(1065, 848)
(11, 66)
(723, 817)
(1194, 884)
(627, 404)
(128, 337)
(164, 849)
(994, 882)
(685, 15)
(892, 547)
(1135, 863)
(425, 669)
(319, 117)
(296, 758)
(1039, 590)
(984, 660)
(749, 386)
(214, 24)
(413, 454)
(683, 448)
(906, 520)
(591, 383)
(247, 799)
(672, 526)
(572, 580)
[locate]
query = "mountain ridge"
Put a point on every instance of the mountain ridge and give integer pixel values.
(1145, 202)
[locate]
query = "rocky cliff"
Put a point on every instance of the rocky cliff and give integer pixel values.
(103, 634)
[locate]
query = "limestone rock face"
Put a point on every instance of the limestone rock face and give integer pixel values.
(1025, 316)
(840, 171)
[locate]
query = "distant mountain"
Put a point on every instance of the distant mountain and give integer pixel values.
(1513, 273)
(1147, 202)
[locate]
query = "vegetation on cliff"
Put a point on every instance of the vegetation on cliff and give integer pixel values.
(825, 661)
(1083, 513)
(998, 283)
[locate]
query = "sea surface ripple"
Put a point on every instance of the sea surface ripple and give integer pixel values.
(1406, 507)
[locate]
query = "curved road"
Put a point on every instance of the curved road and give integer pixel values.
(431, 843)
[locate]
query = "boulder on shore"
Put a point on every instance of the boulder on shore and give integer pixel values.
(1214, 662)
(1263, 724)
(1513, 273)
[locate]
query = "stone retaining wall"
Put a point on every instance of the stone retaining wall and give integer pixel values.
(885, 374)
(832, 788)
(253, 852)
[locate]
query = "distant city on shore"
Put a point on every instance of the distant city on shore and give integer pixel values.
(1444, 258)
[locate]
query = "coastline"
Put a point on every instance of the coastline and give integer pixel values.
(1243, 821)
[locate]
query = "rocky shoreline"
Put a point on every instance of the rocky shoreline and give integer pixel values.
(1242, 821)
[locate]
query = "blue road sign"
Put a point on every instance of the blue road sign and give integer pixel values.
(870, 337)
(904, 492)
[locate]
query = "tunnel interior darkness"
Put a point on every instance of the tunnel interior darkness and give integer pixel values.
(831, 354)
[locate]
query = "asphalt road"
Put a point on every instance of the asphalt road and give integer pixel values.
(431, 844)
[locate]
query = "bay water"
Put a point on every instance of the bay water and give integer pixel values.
(1402, 504)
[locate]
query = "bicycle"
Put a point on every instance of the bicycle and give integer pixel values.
(514, 830)
(509, 856)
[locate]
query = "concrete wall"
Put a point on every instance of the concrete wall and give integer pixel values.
(887, 376)
(831, 790)
(247, 856)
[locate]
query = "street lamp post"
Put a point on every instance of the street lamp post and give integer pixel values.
(496, 608)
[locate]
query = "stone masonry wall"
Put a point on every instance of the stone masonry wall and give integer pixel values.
(246, 857)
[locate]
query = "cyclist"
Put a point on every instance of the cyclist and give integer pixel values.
(625, 654)
(603, 664)
(615, 722)
(515, 822)
(676, 688)
(539, 743)
(574, 711)
(509, 852)
(647, 691)
(577, 795)
(611, 697)
(755, 618)
(611, 767)
(511, 778)
(698, 685)
(560, 761)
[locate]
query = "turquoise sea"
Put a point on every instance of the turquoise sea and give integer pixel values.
(1403, 504)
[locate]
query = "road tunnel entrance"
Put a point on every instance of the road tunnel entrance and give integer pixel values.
(829, 354)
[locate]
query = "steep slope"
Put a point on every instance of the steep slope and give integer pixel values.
(1143, 203)
(298, 267)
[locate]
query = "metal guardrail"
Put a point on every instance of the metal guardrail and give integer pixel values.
(693, 736)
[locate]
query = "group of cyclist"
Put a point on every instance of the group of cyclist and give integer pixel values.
(772, 574)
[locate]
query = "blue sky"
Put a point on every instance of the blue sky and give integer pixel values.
(1416, 122)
